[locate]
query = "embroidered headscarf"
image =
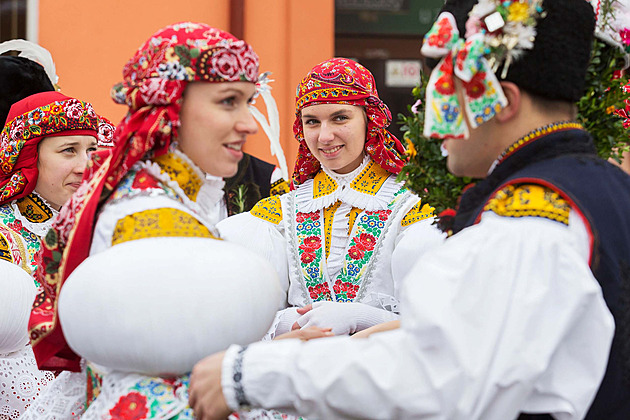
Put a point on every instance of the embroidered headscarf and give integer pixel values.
(343, 81)
(154, 81)
(46, 114)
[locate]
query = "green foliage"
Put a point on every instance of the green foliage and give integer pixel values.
(426, 174)
(604, 95)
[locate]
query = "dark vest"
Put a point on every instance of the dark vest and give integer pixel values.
(567, 163)
(253, 177)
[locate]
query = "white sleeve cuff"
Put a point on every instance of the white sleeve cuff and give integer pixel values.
(228, 382)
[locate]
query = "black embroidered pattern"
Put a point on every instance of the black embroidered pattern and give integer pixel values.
(241, 399)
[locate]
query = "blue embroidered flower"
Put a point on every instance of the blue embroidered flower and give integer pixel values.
(353, 270)
(317, 224)
(313, 272)
(380, 224)
(371, 223)
(450, 112)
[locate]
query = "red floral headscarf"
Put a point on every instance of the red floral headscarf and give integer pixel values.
(343, 81)
(153, 84)
(46, 114)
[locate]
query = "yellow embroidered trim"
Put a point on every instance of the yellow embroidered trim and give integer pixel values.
(352, 216)
(323, 185)
(416, 213)
(329, 215)
(529, 200)
(155, 223)
(539, 132)
(269, 209)
(279, 187)
(34, 209)
(370, 180)
(5, 250)
(181, 172)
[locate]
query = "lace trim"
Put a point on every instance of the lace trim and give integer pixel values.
(372, 189)
(21, 382)
(35, 213)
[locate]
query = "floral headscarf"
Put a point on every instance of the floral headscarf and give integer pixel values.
(153, 84)
(46, 114)
(343, 81)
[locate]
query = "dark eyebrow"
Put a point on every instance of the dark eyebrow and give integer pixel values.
(334, 114)
(68, 143)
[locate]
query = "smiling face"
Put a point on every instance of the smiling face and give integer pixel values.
(61, 162)
(335, 135)
(215, 121)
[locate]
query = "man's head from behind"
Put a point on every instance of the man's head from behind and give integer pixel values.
(539, 52)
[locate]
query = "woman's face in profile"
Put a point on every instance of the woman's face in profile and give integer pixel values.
(335, 135)
(215, 122)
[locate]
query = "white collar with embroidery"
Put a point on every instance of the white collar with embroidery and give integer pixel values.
(200, 198)
(38, 228)
(369, 187)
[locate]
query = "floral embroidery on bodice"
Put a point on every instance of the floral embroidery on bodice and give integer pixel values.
(371, 196)
(22, 223)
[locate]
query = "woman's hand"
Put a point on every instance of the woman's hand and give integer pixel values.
(307, 333)
(385, 326)
(342, 317)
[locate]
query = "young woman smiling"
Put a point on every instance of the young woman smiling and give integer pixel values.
(138, 244)
(44, 149)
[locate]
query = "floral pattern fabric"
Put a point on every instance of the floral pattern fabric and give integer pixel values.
(343, 81)
(465, 59)
(367, 230)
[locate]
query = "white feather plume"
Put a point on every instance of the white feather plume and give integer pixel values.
(34, 52)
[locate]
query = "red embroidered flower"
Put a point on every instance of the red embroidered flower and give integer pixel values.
(144, 181)
(307, 257)
(318, 291)
(345, 287)
(366, 241)
(461, 58)
(444, 85)
(130, 407)
(384, 214)
(311, 244)
(356, 253)
(302, 217)
(74, 110)
(56, 109)
(16, 225)
(475, 88)
(226, 63)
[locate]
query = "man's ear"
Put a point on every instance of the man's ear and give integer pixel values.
(514, 97)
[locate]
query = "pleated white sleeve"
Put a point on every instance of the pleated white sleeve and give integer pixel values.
(504, 317)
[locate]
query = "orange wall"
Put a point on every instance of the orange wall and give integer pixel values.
(90, 42)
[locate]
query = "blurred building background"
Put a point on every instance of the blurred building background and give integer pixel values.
(90, 42)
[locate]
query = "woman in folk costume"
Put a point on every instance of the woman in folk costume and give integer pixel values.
(44, 150)
(134, 272)
(345, 236)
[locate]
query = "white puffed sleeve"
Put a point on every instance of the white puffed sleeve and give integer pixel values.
(261, 237)
(411, 244)
(504, 317)
(17, 292)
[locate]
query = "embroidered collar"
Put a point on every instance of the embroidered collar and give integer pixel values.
(556, 142)
(369, 187)
(536, 134)
(35, 213)
(183, 171)
(34, 208)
